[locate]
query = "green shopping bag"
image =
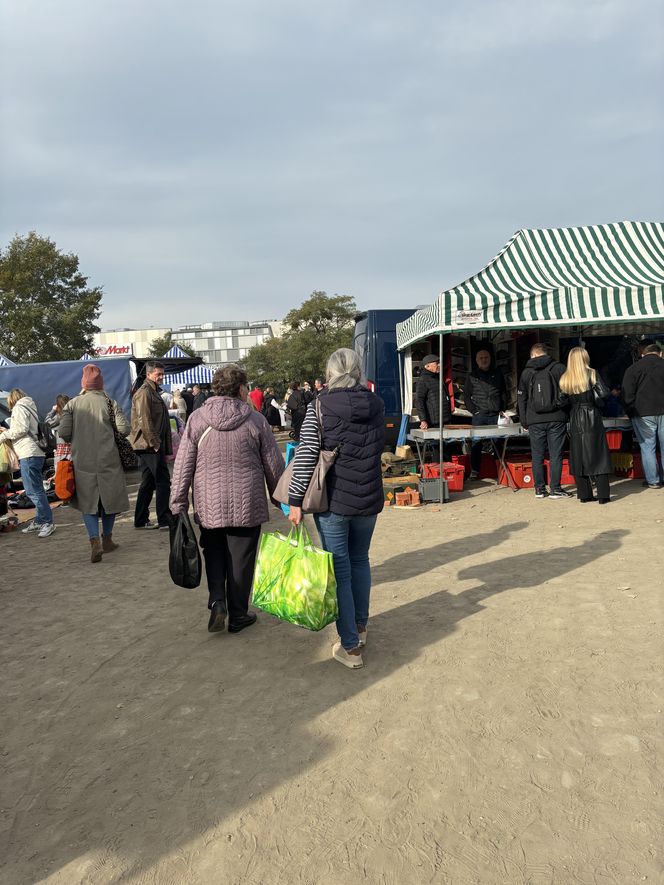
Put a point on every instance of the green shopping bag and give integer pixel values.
(295, 580)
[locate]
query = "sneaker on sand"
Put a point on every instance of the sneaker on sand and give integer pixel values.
(148, 525)
(47, 529)
(542, 493)
(362, 636)
(474, 475)
(33, 527)
(339, 653)
(559, 493)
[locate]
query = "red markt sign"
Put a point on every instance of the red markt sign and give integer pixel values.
(114, 350)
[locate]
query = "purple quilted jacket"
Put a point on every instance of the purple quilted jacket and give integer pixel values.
(229, 470)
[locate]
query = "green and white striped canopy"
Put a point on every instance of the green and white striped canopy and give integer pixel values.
(569, 276)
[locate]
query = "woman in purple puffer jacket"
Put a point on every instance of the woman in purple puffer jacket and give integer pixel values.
(227, 455)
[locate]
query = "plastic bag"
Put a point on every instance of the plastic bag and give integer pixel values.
(65, 484)
(8, 460)
(184, 561)
(295, 580)
(504, 420)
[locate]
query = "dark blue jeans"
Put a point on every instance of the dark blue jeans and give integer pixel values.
(348, 539)
(481, 420)
(33, 483)
(550, 435)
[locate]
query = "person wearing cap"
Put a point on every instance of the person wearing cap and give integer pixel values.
(427, 395)
(101, 491)
(23, 435)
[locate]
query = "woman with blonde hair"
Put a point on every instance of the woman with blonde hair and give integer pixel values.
(23, 435)
(583, 393)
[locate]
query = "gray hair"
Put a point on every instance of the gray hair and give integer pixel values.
(343, 369)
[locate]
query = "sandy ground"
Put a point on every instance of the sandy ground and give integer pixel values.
(507, 726)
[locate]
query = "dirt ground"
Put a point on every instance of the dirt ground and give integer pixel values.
(506, 728)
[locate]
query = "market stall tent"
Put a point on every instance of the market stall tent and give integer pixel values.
(555, 277)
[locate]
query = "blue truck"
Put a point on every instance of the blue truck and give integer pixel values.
(375, 341)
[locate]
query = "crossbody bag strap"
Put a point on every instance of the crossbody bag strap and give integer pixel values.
(203, 435)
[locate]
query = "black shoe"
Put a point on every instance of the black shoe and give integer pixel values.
(242, 622)
(542, 493)
(217, 620)
(559, 493)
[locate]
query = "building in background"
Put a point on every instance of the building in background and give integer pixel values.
(126, 342)
(223, 342)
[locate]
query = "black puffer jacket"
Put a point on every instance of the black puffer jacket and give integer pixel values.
(588, 450)
(528, 415)
(484, 393)
(427, 402)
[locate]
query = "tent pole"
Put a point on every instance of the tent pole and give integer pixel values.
(441, 381)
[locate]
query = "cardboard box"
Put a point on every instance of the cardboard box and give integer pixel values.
(404, 452)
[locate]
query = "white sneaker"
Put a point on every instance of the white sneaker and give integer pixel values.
(339, 653)
(362, 637)
(47, 529)
(33, 527)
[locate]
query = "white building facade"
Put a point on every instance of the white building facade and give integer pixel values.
(222, 342)
(126, 342)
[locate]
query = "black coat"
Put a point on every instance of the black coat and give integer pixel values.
(643, 387)
(528, 415)
(484, 393)
(427, 403)
(588, 450)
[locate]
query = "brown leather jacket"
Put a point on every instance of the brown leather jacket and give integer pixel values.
(150, 425)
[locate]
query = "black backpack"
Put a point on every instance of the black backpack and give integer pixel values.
(543, 391)
(46, 439)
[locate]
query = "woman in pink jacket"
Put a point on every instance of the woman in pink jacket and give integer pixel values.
(227, 455)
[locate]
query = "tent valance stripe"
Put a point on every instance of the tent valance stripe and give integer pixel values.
(562, 276)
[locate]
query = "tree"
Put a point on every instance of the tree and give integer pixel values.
(313, 331)
(161, 346)
(47, 311)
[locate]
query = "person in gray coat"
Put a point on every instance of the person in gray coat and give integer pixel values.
(101, 491)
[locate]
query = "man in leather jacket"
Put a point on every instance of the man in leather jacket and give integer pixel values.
(151, 439)
(427, 395)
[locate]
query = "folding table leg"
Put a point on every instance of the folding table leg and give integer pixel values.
(501, 458)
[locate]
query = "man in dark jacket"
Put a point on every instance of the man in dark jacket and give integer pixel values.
(485, 396)
(546, 423)
(151, 439)
(427, 395)
(643, 398)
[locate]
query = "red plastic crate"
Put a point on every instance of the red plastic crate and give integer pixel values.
(488, 467)
(566, 478)
(520, 471)
(614, 440)
(452, 473)
(465, 461)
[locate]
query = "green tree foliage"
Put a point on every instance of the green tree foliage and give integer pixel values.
(47, 311)
(312, 332)
(161, 346)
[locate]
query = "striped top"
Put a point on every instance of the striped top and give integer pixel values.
(306, 457)
(560, 276)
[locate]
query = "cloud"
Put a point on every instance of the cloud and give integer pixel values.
(218, 158)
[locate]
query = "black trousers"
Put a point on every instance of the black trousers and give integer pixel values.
(155, 478)
(230, 557)
(584, 487)
(550, 435)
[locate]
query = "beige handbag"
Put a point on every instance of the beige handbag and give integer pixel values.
(315, 497)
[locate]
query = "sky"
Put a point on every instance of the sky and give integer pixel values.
(214, 160)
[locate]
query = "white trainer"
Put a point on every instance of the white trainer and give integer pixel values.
(47, 529)
(362, 637)
(339, 653)
(33, 527)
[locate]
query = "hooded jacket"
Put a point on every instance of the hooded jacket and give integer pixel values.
(353, 423)
(24, 429)
(527, 415)
(484, 393)
(643, 387)
(427, 402)
(229, 468)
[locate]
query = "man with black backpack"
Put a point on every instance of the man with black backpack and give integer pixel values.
(539, 414)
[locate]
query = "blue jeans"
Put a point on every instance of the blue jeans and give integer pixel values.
(348, 539)
(648, 430)
(91, 522)
(481, 420)
(33, 483)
